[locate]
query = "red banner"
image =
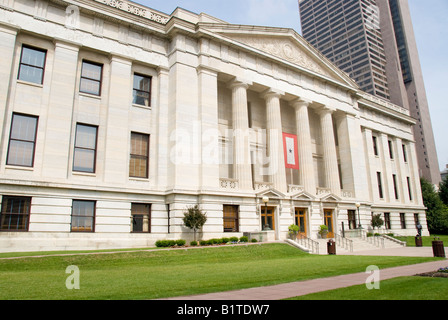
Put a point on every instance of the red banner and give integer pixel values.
(290, 149)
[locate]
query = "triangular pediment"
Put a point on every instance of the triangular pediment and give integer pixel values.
(286, 45)
(330, 198)
(302, 196)
(271, 193)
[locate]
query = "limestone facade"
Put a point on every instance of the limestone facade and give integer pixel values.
(114, 118)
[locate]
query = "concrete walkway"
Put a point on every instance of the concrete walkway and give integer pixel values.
(295, 289)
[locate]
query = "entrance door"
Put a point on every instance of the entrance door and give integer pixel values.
(328, 216)
(267, 218)
(300, 220)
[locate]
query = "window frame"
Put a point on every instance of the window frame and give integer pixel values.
(231, 220)
(27, 141)
(93, 217)
(100, 81)
(83, 148)
(44, 51)
(134, 90)
(139, 156)
(148, 214)
(27, 215)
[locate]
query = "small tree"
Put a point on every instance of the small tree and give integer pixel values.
(377, 221)
(194, 219)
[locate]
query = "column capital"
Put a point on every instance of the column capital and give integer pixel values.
(300, 102)
(272, 93)
(324, 110)
(239, 83)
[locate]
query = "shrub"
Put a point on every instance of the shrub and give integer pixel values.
(254, 240)
(244, 239)
(233, 239)
(225, 240)
(180, 243)
(193, 243)
(203, 243)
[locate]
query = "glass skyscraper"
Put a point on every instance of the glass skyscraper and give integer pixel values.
(373, 42)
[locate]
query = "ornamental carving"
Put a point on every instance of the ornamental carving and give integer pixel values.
(284, 49)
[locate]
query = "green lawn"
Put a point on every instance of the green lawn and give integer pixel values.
(403, 288)
(167, 273)
(427, 241)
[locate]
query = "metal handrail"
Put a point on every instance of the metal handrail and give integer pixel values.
(309, 243)
(375, 240)
(344, 242)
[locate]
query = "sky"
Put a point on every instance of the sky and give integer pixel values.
(430, 27)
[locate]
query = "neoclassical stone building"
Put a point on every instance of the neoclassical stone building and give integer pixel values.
(115, 118)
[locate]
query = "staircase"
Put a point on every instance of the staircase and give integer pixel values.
(347, 246)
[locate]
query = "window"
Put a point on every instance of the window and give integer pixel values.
(409, 187)
(32, 65)
(380, 185)
(391, 150)
(141, 218)
(85, 148)
(416, 219)
(83, 216)
(403, 220)
(352, 219)
(405, 156)
(15, 214)
(22, 140)
(394, 178)
(91, 76)
(231, 223)
(375, 145)
(387, 220)
(142, 90)
(138, 164)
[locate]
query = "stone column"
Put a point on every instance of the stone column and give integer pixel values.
(305, 151)
(329, 151)
(277, 169)
(241, 145)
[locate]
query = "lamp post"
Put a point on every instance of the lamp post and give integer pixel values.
(265, 200)
(359, 217)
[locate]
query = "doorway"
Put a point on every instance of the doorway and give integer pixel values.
(328, 220)
(267, 218)
(301, 221)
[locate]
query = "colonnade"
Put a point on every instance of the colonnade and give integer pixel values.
(275, 152)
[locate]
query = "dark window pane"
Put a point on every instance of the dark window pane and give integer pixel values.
(15, 213)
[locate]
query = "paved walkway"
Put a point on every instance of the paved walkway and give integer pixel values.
(295, 289)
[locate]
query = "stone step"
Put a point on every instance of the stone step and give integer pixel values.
(359, 244)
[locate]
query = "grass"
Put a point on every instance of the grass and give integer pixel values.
(167, 273)
(403, 288)
(426, 241)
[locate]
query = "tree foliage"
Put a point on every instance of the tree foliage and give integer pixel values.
(377, 221)
(194, 219)
(443, 191)
(437, 211)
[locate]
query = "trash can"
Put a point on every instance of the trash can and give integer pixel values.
(438, 249)
(331, 247)
(418, 241)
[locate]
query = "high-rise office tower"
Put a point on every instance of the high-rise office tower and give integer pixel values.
(373, 41)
